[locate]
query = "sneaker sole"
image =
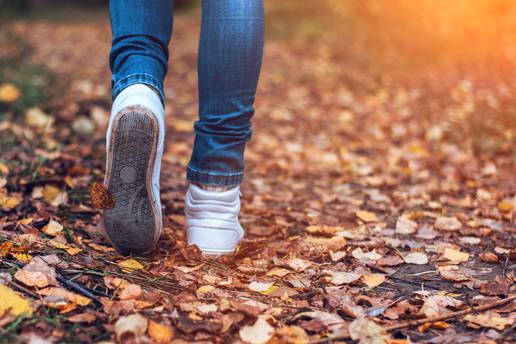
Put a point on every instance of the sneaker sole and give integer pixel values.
(134, 224)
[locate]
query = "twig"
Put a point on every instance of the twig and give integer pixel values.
(433, 319)
(452, 314)
(79, 289)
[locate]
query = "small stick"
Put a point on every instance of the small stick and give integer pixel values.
(79, 289)
(452, 314)
(433, 319)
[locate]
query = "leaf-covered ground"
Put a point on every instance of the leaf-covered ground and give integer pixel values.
(378, 203)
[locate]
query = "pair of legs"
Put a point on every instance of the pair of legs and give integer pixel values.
(229, 61)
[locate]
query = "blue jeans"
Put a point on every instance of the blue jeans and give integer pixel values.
(229, 62)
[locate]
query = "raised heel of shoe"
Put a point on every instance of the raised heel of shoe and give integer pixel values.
(134, 224)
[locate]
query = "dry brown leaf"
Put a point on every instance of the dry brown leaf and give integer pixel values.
(54, 195)
(52, 228)
(436, 305)
(418, 258)
(453, 273)
(130, 291)
(341, 277)
(367, 332)
(489, 319)
(258, 333)
(100, 197)
(447, 223)
(160, 334)
(130, 328)
(37, 274)
(455, 256)
(404, 225)
(367, 216)
(373, 280)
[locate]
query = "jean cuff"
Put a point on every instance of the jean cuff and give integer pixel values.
(140, 78)
(213, 178)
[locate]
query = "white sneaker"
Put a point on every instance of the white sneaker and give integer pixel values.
(134, 145)
(212, 219)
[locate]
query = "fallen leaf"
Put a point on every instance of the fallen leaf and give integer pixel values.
(86, 317)
(298, 264)
(66, 295)
(37, 274)
(129, 265)
(489, 319)
(35, 117)
(52, 228)
(100, 197)
(130, 328)
(418, 258)
(505, 206)
(455, 256)
(323, 230)
(9, 203)
(161, 334)
(447, 223)
(489, 257)
(9, 93)
(130, 291)
(366, 216)
(278, 272)
(13, 303)
(291, 335)
(258, 333)
(404, 225)
(453, 273)
(367, 332)
(373, 280)
(435, 305)
(341, 277)
(361, 255)
(54, 195)
(260, 287)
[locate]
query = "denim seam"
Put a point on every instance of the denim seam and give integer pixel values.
(211, 179)
(215, 173)
(125, 82)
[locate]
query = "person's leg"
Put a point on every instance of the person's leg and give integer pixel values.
(134, 141)
(230, 56)
(141, 33)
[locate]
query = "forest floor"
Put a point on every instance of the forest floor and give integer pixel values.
(377, 206)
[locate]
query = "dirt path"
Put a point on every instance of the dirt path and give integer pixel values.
(364, 196)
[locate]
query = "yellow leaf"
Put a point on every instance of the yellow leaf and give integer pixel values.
(489, 319)
(205, 289)
(455, 256)
(159, 333)
(25, 221)
(13, 303)
(4, 169)
(129, 265)
(373, 280)
(22, 257)
(8, 203)
(54, 195)
(260, 287)
(52, 228)
(505, 206)
(35, 117)
(366, 216)
(278, 272)
(9, 93)
(66, 295)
